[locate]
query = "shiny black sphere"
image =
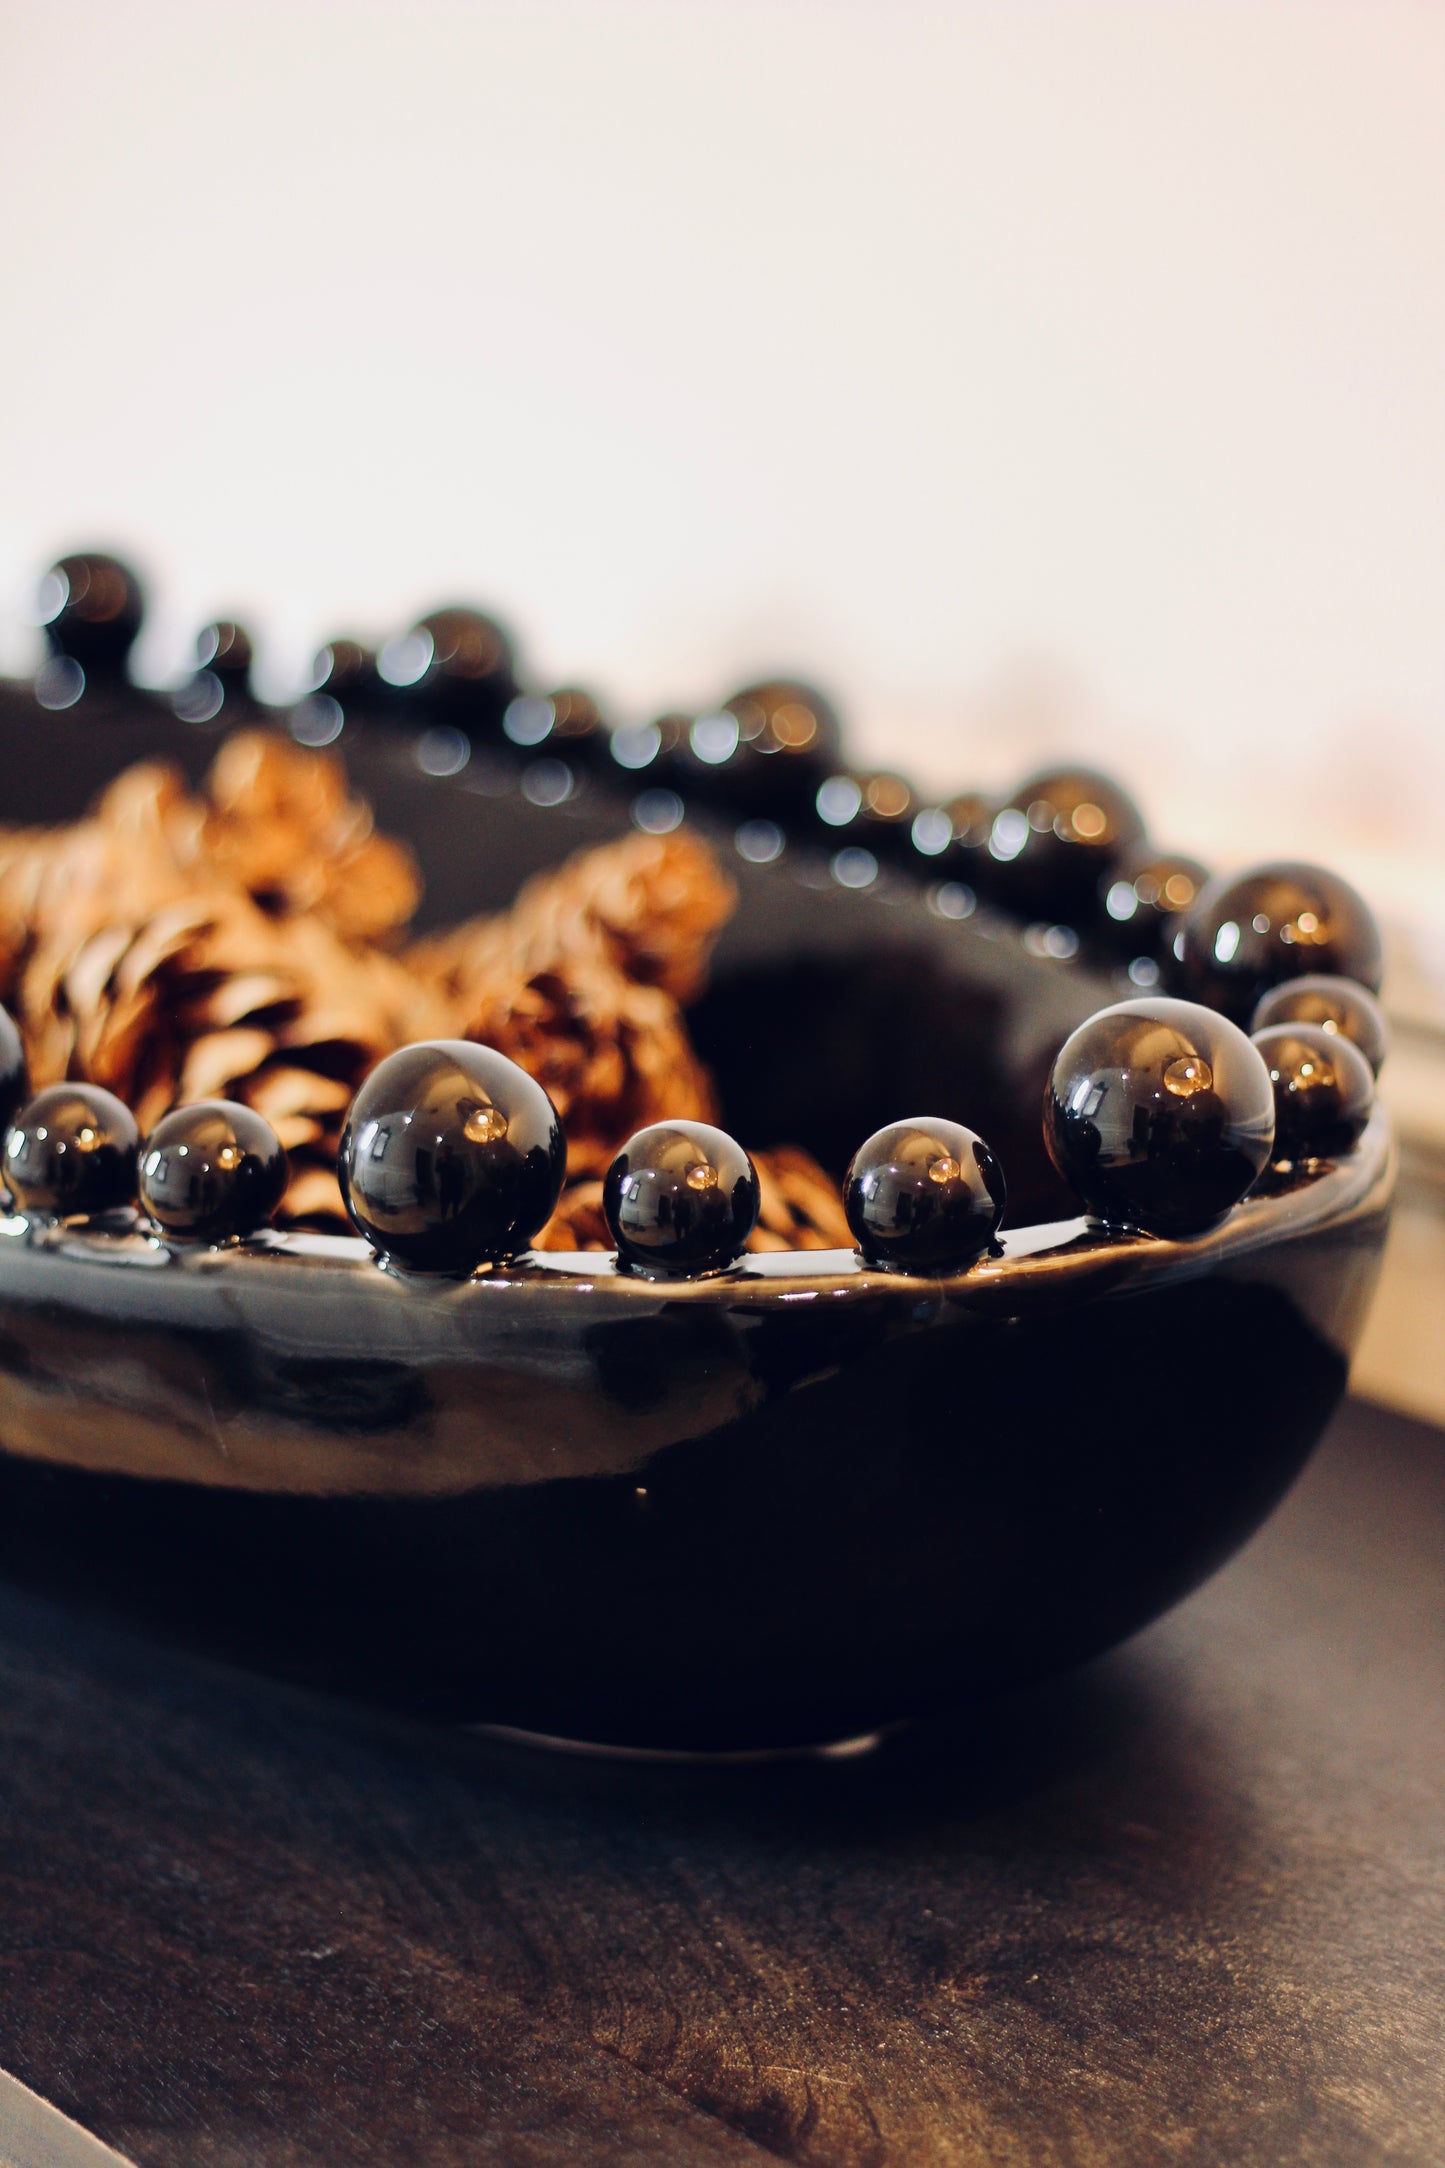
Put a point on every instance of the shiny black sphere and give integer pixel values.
(789, 738)
(14, 1072)
(681, 1197)
(226, 649)
(1054, 839)
(460, 662)
(763, 752)
(568, 723)
(1143, 898)
(72, 1151)
(347, 671)
(926, 1195)
(786, 718)
(1159, 1114)
(1275, 922)
(1337, 1005)
(1323, 1091)
(451, 1157)
(647, 754)
(866, 809)
(91, 607)
(212, 1171)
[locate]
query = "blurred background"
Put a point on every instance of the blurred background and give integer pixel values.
(1042, 379)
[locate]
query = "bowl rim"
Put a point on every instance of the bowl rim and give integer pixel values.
(1079, 1255)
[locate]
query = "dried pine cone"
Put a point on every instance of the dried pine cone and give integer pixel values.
(210, 997)
(801, 1207)
(281, 825)
(579, 983)
(647, 907)
(174, 947)
(177, 946)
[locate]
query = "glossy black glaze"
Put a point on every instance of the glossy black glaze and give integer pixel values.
(1159, 1114)
(72, 1151)
(212, 1171)
(91, 607)
(1323, 1091)
(14, 1074)
(1143, 897)
(1056, 837)
(924, 1194)
(1285, 920)
(451, 1157)
(1336, 1005)
(681, 1197)
(786, 1503)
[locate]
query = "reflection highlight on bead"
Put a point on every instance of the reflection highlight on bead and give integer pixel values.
(838, 800)
(636, 745)
(714, 738)
(1009, 834)
(953, 900)
(547, 782)
(657, 812)
(200, 699)
(406, 659)
(318, 720)
(59, 682)
(853, 867)
(932, 831)
(759, 842)
(442, 751)
(528, 719)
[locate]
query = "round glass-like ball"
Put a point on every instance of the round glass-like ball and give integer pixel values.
(1159, 1114)
(212, 1171)
(451, 1157)
(1143, 899)
(226, 649)
(91, 607)
(1059, 832)
(1275, 922)
(346, 670)
(576, 716)
(72, 1151)
(460, 660)
(1336, 1005)
(785, 716)
(681, 1197)
(925, 1195)
(14, 1071)
(1323, 1090)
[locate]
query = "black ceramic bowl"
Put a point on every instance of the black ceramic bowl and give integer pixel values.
(785, 1503)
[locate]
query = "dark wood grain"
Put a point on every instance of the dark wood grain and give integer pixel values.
(1189, 1906)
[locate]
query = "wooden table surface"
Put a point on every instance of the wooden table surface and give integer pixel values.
(1188, 1907)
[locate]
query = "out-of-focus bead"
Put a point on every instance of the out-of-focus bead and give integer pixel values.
(1286, 920)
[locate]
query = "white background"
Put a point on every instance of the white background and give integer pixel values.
(1044, 378)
